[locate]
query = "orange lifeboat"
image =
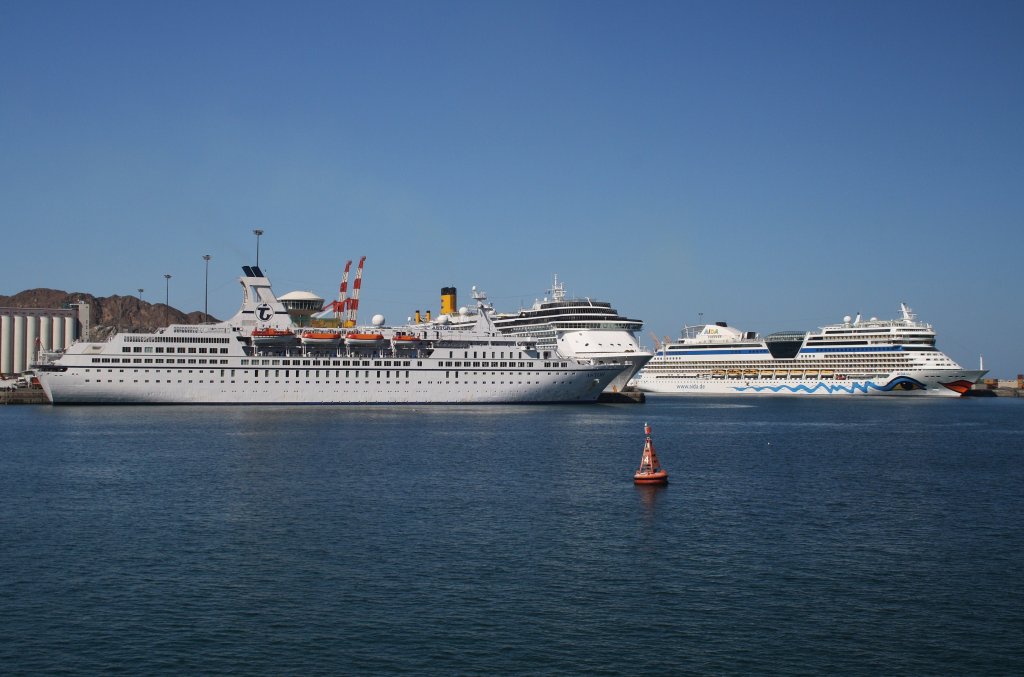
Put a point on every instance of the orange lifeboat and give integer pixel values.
(355, 339)
(405, 341)
(650, 471)
(271, 336)
(320, 338)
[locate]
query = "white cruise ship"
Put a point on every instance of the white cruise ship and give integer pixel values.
(259, 356)
(571, 327)
(873, 357)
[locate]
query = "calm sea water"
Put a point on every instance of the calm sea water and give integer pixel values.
(798, 536)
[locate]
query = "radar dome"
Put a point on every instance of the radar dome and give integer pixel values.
(874, 319)
(463, 311)
(377, 320)
(443, 319)
(847, 319)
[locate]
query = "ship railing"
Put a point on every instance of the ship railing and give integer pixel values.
(200, 329)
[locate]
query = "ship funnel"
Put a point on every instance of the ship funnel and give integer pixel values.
(428, 316)
(418, 320)
(448, 304)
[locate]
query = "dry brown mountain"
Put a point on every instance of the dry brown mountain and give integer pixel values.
(108, 314)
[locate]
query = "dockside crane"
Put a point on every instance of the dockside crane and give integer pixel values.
(340, 305)
(352, 310)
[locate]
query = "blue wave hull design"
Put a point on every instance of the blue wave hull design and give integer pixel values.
(897, 384)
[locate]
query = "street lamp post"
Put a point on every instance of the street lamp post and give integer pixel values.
(257, 232)
(167, 298)
(206, 291)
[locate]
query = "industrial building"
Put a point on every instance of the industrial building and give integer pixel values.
(26, 331)
(301, 305)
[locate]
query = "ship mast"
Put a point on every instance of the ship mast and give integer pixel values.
(557, 291)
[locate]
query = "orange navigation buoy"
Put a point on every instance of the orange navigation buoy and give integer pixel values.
(650, 471)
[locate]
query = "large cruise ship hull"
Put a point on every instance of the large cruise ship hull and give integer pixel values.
(855, 357)
(232, 362)
(424, 386)
(916, 383)
(634, 364)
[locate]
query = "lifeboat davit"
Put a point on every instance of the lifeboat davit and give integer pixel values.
(320, 338)
(271, 336)
(355, 339)
(650, 471)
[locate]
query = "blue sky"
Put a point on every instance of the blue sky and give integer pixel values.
(776, 165)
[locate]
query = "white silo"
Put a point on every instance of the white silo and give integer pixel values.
(69, 331)
(6, 345)
(31, 340)
(58, 332)
(46, 332)
(18, 364)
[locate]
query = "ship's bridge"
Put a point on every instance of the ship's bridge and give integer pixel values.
(785, 344)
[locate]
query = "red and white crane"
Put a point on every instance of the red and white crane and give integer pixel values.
(352, 309)
(339, 306)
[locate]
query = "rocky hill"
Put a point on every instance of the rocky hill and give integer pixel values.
(108, 314)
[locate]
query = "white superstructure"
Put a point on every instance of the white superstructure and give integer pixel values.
(855, 357)
(573, 327)
(258, 356)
